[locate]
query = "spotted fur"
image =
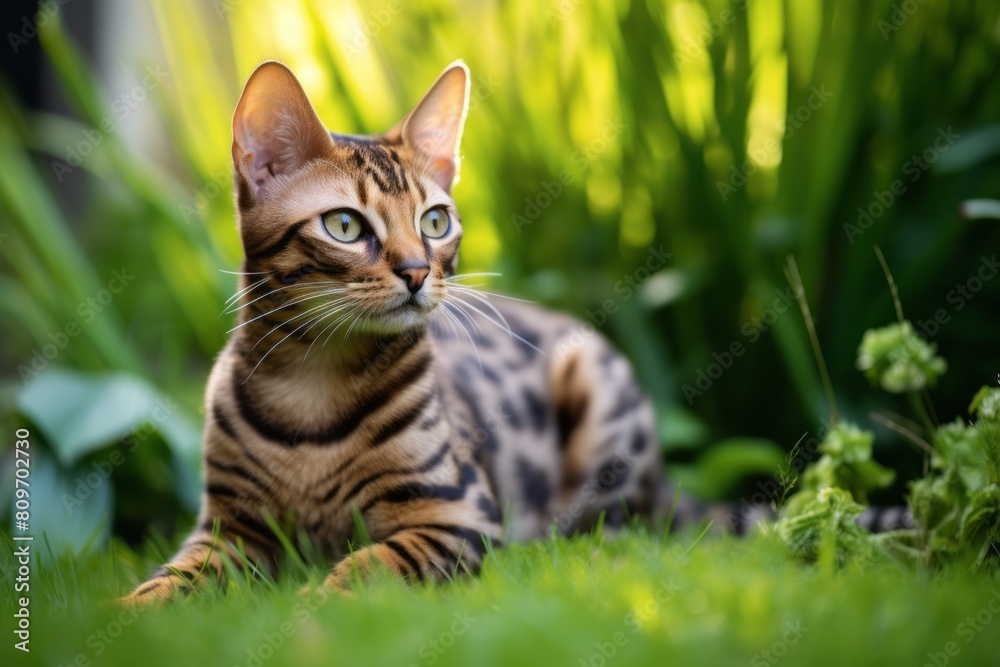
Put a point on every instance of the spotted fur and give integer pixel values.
(363, 375)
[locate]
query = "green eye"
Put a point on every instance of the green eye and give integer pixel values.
(343, 225)
(435, 223)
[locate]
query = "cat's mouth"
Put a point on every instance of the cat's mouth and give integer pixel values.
(407, 313)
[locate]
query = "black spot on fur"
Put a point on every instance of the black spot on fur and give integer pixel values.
(612, 475)
(491, 374)
(510, 415)
(628, 400)
(293, 276)
(569, 416)
(406, 493)
(489, 509)
(534, 485)
(270, 251)
(537, 410)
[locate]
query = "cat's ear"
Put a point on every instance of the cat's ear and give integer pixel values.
(275, 129)
(434, 126)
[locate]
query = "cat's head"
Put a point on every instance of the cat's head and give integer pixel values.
(363, 222)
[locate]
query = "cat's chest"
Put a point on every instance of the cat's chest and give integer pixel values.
(305, 486)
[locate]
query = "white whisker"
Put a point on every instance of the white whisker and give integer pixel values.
(448, 305)
(460, 276)
(507, 329)
(340, 320)
(292, 319)
(303, 286)
(326, 315)
(243, 291)
(499, 296)
(287, 336)
(291, 303)
(480, 297)
(245, 273)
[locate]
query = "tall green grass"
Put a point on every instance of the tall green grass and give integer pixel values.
(625, 600)
(638, 115)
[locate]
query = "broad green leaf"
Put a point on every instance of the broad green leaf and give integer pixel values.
(79, 414)
(729, 462)
(71, 509)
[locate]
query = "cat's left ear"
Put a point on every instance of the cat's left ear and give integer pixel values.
(434, 126)
(275, 129)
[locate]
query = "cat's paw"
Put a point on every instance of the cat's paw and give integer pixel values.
(158, 591)
(318, 593)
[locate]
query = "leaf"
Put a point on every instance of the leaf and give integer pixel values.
(73, 508)
(824, 519)
(680, 428)
(729, 462)
(977, 209)
(897, 359)
(981, 519)
(847, 464)
(986, 403)
(970, 150)
(79, 414)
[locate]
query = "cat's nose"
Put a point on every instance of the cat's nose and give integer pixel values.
(414, 274)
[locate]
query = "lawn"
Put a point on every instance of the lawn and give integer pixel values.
(822, 178)
(633, 599)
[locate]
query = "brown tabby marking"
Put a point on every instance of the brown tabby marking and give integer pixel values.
(364, 375)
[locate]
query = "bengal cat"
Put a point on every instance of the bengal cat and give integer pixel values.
(365, 374)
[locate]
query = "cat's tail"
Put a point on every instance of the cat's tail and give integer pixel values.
(679, 510)
(884, 519)
(741, 518)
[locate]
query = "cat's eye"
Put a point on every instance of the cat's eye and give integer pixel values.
(435, 223)
(343, 225)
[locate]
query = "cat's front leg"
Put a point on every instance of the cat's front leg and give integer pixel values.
(430, 552)
(198, 561)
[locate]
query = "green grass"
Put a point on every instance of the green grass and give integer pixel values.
(545, 87)
(652, 601)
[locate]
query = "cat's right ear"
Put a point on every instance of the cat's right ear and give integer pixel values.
(275, 128)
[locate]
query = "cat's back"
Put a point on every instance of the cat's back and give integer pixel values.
(543, 400)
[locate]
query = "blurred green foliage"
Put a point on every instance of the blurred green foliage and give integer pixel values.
(729, 133)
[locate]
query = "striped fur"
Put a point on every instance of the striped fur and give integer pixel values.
(343, 387)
